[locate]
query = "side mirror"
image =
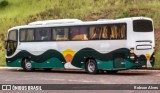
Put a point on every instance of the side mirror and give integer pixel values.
(5, 44)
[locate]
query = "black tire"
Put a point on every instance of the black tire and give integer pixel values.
(112, 71)
(26, 65)
(91, 66)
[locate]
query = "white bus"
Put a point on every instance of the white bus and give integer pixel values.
(104, 44)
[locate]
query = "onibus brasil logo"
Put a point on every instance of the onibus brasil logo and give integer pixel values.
(21, 87)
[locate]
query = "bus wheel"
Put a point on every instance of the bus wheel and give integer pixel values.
(26, 65)
(91, 66)
(112, 71)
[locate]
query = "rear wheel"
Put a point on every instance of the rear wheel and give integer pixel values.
(26, 65)
(91, 66)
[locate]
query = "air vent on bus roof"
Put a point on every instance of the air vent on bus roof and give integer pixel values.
(57, 21)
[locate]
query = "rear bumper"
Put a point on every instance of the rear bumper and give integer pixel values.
(143, 62)
(137, 62)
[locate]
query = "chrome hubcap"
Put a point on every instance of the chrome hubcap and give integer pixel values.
(28, 65)
(91, 67)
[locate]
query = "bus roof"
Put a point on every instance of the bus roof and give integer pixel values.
(57, 21)
(74, 22)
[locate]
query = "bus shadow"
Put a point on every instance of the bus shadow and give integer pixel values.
(54, 71)
(131, 74)
(120, 73)
(127, 73)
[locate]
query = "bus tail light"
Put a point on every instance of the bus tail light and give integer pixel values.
(132, 56)
(131, 50)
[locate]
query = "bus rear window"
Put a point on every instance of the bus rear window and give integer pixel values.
(142, 26)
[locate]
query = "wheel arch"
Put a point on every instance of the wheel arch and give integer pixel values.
(86, 59)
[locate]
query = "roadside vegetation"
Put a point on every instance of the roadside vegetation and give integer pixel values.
(20, 12)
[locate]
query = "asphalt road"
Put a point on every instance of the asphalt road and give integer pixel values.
(18, 76)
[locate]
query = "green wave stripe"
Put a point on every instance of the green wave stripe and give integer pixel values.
(81, 55)
(40, 58)
(53, 59)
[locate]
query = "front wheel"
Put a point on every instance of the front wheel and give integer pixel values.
(26, 65)
(91, 66)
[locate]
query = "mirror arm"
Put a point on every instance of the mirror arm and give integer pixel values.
(6, 44)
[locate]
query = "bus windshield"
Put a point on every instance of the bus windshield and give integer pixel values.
(142, 26)
(11, 42)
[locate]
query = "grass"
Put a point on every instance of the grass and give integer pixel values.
(19, 12)
(157, 63)
(23, 8)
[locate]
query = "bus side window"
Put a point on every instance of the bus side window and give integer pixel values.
(123, 31)
(43, 34)
(22, 35)
(114, 32)
(95, 33)
(30, 35)
(78, 33)
(60, 34)
(106, 32)
(26, 35)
